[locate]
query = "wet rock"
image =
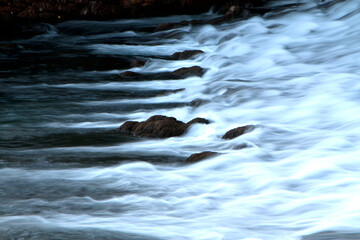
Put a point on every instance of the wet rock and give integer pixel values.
(165, 27)
(128, 127)
(189, 71)
(130, 74)
(137, 63)
(233, 133)
(157, 126)
(185, 54)
(196, 157)
(171, 91)
(177, 74)
(199, 120)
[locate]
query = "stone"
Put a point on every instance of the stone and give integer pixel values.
(137, 63)
(189, 71)
(130, 74)
(199, 120)
(185, 54)
(233, 133)
(157, 126)
(165, 27)
(196, 157)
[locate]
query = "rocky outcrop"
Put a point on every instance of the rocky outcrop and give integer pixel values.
(158, 126)
(196, 157)
(233, 133)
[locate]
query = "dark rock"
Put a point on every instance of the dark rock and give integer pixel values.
(171, 91)
(233, 133)
(60, 10)
(157, 126)
(198, 120)
(185, 54)
(137, 63)
(130, 74)
(189, 71)
(196, 157)
(177, 74)
(232, 10)
(165, 27)
(128, 127)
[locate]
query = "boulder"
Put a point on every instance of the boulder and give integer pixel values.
(185, 54)
(157, 126)
(233, 133)
(196, 157)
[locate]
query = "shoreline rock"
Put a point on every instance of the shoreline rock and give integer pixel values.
(62, 10)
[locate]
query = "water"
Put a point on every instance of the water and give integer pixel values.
(66, 173)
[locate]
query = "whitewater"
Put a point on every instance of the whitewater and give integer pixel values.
(66, 173)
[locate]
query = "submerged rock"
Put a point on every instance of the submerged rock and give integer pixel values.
(177, 74)
(233, 133)
(185, 54)
(130, 74)
(196, 157)
(157, 126)
(137, 63)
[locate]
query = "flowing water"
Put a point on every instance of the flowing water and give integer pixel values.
(66, 173)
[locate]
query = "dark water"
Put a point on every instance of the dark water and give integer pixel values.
(67, 173)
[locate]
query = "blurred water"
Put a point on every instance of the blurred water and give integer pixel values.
(66, 173)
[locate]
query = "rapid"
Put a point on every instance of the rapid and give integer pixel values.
(67, 173)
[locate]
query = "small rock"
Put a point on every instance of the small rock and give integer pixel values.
(171, 91)
(157, 126)
(196, 157)
(130, 74)
(199, 120)
(185, 54)
(233, 133)
(189, 71)
(165, 27)
(137, 63)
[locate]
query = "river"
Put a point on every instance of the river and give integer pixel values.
(67, 173)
